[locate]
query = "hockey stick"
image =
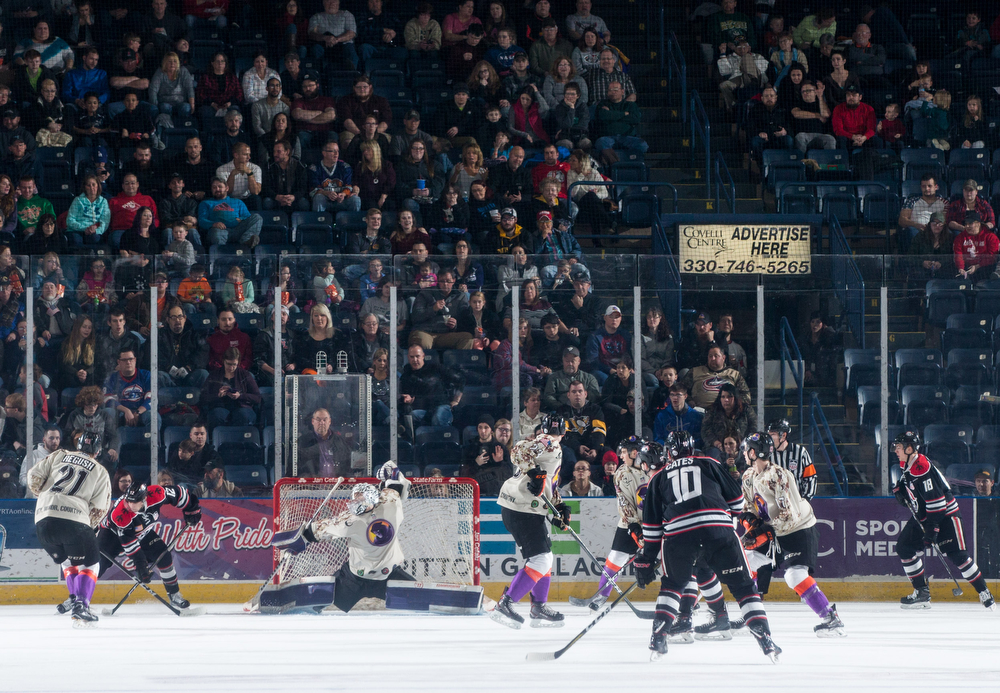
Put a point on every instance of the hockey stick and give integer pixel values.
(646, 615)
(111, 612)
(576, 601)
(254, 601)
(545, 656)
(177, 612)
(956, 591)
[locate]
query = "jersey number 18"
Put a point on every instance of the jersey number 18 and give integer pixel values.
(686, 482)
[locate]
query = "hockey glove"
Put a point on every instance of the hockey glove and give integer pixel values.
(635, 529)
(758, 537)
(387, 471)
(143, 573)
(561, 521)
(192, 516)
(900, 493)
(645, 571)
(931, 535)
(536, 481)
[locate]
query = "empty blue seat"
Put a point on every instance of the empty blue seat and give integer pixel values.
(248, 476)
(965, 339)
(941, 304)
(437, 434)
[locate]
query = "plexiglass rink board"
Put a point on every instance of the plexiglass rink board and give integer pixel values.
(328, 419)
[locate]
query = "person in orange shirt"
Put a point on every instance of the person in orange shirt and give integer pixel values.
(194, 290)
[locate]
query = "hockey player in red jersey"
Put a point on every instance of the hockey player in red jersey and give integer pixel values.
(129, 528)
(936, 524)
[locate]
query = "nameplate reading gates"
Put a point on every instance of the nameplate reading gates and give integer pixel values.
(733, 249)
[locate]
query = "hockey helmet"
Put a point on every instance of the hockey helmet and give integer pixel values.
(779, 426)
(678, 444)
(761, 445)
(908, 439)
(364, 498)
(136, 492)
(631, 444)
(89, 443)
(651, 456)
(553, 425)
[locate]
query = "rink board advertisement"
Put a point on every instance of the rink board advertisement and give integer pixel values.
(736, 249)
(857, 541)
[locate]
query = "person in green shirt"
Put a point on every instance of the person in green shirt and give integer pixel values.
(729, 25)
(807, 33)
(30, 205)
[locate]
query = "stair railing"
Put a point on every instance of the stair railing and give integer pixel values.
(676, 68)
(700, 126)
(791, 355)
(724, 187)
(821, 440)
(848, 282)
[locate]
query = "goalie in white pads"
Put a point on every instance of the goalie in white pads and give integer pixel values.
(536, 473)
(74, 493)
(771, 496)
(371, 528)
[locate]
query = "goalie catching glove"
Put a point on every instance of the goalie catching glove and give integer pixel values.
(389, 477)
(536, 480)
(645, 570)
(561, 521)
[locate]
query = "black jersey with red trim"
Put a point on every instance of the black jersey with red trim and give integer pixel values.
(687, 494)
(131, 527)
(928, 492)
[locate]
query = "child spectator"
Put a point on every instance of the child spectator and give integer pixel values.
(326, 289)
(180, 253)
(96, 288)
(891, 128)
(194, 290)
(423, 34)
(501, 56)
(133, 123)
(973, 40)
(93, 124)
(237, 292)
(426, 278)
(775, 28)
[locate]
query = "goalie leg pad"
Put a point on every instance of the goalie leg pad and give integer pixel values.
(302, 595)
(435, 597)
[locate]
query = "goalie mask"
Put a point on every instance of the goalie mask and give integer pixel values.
(678, 444)
(553, 425)
(136, 492)
(89, 443)
(761, 445)
(364, 498)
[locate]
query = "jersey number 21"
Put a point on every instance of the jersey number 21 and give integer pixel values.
(686, 482)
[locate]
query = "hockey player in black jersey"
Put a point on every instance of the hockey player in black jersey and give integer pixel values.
(687, 513)
(129, 528)
(936, 524)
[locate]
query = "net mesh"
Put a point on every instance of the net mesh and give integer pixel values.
(439, 536)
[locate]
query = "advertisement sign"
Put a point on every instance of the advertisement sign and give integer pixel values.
(734, 249)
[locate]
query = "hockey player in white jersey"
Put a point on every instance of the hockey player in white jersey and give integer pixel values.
(371, 528)
(536, 474)
(630, 487)
(74, 493)
(771, 496)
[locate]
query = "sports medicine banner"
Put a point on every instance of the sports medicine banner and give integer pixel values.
(735, 249)
(857, 540)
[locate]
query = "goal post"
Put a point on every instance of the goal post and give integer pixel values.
(439, 537)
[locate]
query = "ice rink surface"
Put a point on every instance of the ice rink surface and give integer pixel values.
(145, 648)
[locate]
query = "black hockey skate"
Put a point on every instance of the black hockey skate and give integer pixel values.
(832, 626)
(767, 646)
(658, 641)
(718, 628)
(986, 598)
(67, 606)
(504, 614)
(681, 631)
(83, 617)
(544, 617)
(597, 602)
(178, 600)
(920, 599)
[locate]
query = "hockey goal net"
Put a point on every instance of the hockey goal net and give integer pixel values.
(439, 536)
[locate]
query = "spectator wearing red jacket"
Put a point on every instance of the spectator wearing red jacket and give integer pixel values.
(551, 166)
(976, 249)
(126, 204)
(227, 335)
(854, 123)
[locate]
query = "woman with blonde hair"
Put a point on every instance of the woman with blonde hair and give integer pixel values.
(484, 84)
(563, 72)
(469, 169)
(172, 87)
(318, 348)
(8, 204)
(375, 178)
(76, 357)
(504, 433)
(972, 131)
(939, 122)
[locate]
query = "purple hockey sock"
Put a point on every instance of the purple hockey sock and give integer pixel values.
(85, 584)
(817, 601)
(72, 584)
(540, 592)
(604, 587)
(520, 585)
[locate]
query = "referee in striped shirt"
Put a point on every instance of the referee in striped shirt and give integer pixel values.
(793, 457)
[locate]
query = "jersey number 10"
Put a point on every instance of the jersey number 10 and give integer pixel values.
(66, 473)
(686, 482)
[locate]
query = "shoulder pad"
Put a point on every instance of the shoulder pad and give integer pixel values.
(920, 466)
(155, 494)
(121, 516)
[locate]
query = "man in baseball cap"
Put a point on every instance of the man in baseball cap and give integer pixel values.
(506, 234)
(975, 251)
(557, 386)
(694, 351)
(607, 345)
(984, 482)
(970, 201)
